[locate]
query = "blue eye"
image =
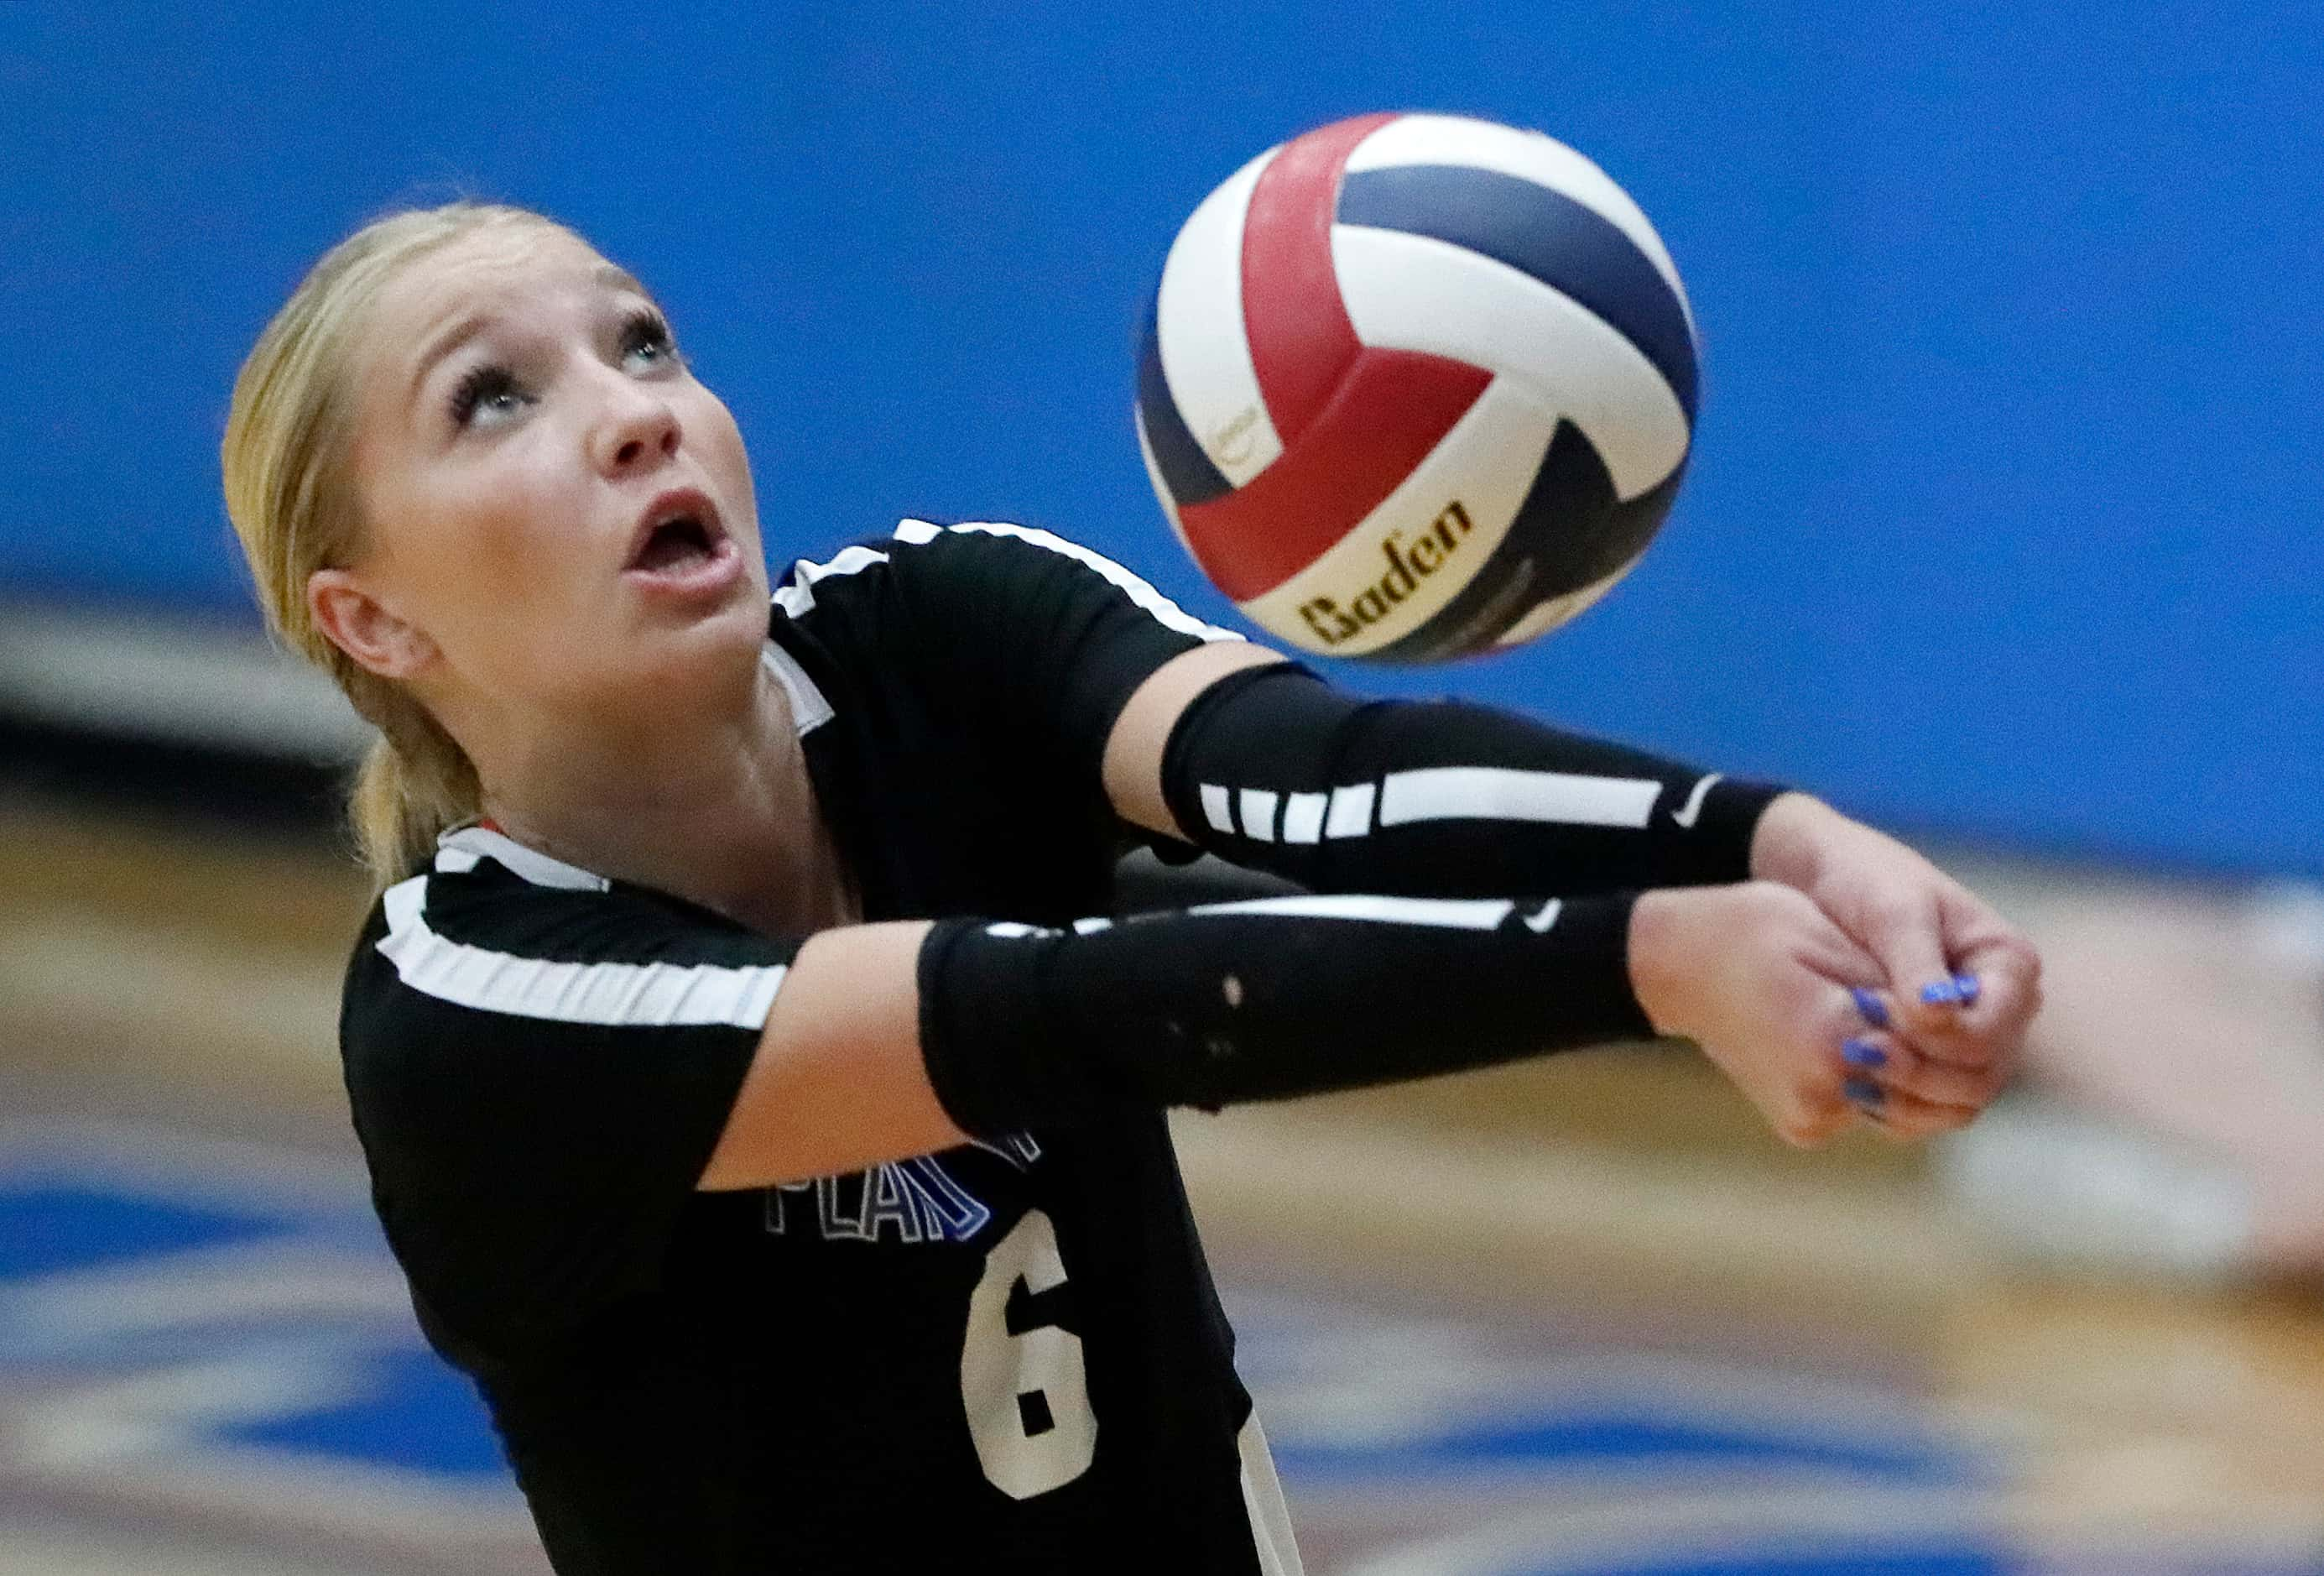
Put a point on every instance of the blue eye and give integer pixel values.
(646, 337)
(486, 390)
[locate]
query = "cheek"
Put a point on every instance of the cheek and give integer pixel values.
(721, 442)
(502, 558)
(528, 509)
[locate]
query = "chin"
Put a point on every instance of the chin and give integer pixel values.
(703, 654)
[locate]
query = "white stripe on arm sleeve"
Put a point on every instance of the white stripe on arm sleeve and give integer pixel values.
(1440, 798)
(1508, 794)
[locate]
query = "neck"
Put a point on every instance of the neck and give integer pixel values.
(713, 806)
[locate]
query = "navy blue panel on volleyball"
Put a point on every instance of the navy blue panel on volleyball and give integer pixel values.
(1565, 245)
(1571, 530)
(1185, 469)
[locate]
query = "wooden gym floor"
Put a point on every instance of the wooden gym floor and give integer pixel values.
(1579, 1316)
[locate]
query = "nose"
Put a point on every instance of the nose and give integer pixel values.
(637, 428)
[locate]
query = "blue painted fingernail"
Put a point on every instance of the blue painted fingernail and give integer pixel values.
(1864, 1091)
(1862, 1053)
(1966, 984)
(1940, 991)
(1868, 1003)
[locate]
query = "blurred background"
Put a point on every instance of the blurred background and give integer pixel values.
(2003, 531)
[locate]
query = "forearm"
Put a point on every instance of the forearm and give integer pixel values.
(1022, 1026)
(1275, 770)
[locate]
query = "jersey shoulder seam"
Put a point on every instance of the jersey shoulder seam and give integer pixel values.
(1140, 591)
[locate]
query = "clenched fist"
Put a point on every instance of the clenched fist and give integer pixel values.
(1966, 983)
(1796, 1011)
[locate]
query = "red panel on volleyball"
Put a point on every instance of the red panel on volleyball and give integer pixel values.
(1301, 340)
(1386, 416)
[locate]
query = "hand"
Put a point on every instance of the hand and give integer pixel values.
(1967, 984)
(1780, 998)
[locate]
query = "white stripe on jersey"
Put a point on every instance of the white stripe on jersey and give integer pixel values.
(799, 597)
(1464, 914)
(1165, 611)
(663, 995)
(1262, 1501)
(809, 707)
(457, 852)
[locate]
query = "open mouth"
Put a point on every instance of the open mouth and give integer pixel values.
(679, 536)
(674, 544)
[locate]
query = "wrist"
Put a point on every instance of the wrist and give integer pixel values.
(1787, 845)
(1657, 956)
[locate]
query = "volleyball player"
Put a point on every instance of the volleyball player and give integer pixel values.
(759, 1110)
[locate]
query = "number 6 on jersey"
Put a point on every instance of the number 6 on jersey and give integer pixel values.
(1026, 1390)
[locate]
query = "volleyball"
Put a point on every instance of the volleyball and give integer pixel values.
(1416, 387)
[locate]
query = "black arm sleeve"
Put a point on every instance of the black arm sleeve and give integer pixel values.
(1273, 768)
(1022, 1026)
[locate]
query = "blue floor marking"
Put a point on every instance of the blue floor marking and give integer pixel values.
(361, 1391)
(1595, 1436)
(49, 1227)
(418, 1414)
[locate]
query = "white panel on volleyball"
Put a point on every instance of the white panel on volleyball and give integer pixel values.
(1530, 155)
(1486, 464)
(1415, 292)
(1206, 351)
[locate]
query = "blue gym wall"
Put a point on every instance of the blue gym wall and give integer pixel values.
(2004, 517)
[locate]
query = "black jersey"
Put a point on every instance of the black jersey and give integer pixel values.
(1008, 1355)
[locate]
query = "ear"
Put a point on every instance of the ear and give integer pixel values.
(360, 625)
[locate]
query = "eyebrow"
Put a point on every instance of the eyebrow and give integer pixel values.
(611, 276)
(466, 329)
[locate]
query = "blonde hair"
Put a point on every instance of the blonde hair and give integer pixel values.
(291, 494)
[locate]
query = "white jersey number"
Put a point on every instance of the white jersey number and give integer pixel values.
(1026, 1392)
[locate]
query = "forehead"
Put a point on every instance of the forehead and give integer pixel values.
(491, 269)
(441, 298)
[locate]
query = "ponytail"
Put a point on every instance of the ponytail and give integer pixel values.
(408, 793)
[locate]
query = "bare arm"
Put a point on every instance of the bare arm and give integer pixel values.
(1133, 750)
(838, 1083)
